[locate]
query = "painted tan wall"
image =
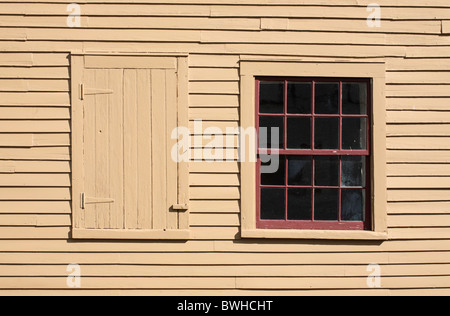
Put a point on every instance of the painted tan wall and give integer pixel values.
(35, 179)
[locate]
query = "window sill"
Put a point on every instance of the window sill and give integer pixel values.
(314, 234)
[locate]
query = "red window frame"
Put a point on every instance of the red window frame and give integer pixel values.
(315, 224)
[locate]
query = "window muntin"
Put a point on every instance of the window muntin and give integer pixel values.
(323, 181)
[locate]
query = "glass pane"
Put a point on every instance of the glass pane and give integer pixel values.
(300, 170)
(273, 204)
(300, 204)
(354, 133)
(353, 205)
(299, 133)
(326, 205)
(327, 98)
(268, 127)
(327, 171)
(299, 97)
(277, 178)
(326, 133)
(271, 97)
(354, 98)
(353, 171)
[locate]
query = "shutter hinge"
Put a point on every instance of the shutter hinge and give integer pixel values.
(86, 200)
(180, 208)
(89, 91)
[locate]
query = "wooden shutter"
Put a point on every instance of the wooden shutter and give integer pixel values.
(125, 183)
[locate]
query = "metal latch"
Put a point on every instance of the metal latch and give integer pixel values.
(180, 207)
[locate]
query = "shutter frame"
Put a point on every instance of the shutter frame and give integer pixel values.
(172, 230)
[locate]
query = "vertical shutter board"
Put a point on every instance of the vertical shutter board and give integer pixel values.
(130, 148)
(116, 150)
(159, 165)
(172, 166)
(77, 141)
(101, 149)
(183, 121)
(144, 148)
(89, 141)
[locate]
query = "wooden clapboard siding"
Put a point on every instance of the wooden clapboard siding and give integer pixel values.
(221, 271)
(35, 156)
(34, 173)
(34, 72)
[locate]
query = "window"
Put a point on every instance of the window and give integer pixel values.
(331, 156)
(323, 175)
(125, 183)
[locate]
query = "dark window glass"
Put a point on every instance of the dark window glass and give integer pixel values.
(354, 133)
(353, 171)
(273, 204)
(299, 98)
(268, 125)
(354, 98)
(300, 170)
(300, 204)
(327, 171)
(353, 205)
(322, 129)
(326, 133)
(299, 132)
(277, 178)
(326, 207)
(327, 98)
(271, 97)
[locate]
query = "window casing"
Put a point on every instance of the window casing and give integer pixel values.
(252, 68)
(323, 151)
